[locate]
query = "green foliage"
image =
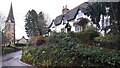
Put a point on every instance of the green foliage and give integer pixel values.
(6, 50)
(65, 49)
(113, 12)
(40, 40)
(62, 50)
(35, 24)
(12, 46)
(19, 45)
(96, 13)
(4, 39)
(73, 54)
(109, 38)
(101, 56)
(85, 37)
(109, 41)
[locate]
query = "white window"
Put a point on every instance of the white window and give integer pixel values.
(63, 30)
(77, 28)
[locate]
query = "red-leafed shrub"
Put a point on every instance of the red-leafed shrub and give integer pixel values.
(40, 40)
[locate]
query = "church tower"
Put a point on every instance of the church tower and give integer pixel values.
(10, 27)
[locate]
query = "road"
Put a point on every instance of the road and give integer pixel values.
(12, 60)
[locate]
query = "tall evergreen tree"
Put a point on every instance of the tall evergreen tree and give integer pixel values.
(35, 24)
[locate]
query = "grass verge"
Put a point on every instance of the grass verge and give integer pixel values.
(6, 50)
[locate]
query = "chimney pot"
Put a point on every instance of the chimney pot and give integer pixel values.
(66, 6)
(63, 7)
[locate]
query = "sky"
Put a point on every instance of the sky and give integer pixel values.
(52, 8)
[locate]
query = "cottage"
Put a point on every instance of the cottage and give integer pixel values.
(23, 40)
(65, 21)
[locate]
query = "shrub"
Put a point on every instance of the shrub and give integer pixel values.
(19, 44)
(32, 42)
(40, 40)
(57, 39)
(109, 38)
(11, 45)
(101, 56)
(86, 37)
(36, 41)
(109, 41)
(65, 49)
(73, 54)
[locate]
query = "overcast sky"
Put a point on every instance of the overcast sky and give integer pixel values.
(20, 7)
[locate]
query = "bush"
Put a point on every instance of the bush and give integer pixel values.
(73, 54)
(65, 49)
(19, 45)
(7, 50)
(109, 41)
(32, 42)
(109, 38)
(101, 56)
(40, 40)
(36, 41)
(11, 45)
(86, 37)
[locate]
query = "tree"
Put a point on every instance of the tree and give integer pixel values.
(101, 10)
(115, 17)
(35, 24)
(4, 39)
(2, 21)
(42, 24)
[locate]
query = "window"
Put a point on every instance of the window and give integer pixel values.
(77, 28)
(63, 30)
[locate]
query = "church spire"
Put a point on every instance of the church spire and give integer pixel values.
(10, 17)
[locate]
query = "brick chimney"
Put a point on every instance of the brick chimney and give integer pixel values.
(65, 10)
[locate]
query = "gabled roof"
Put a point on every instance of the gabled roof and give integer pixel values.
(58, 20)
(10, 15)
(22, 38)
(71, 14)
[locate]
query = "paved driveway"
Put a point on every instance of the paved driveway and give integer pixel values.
(12, 60)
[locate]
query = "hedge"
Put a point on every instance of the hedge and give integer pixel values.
(72, 54)
(109, 41)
